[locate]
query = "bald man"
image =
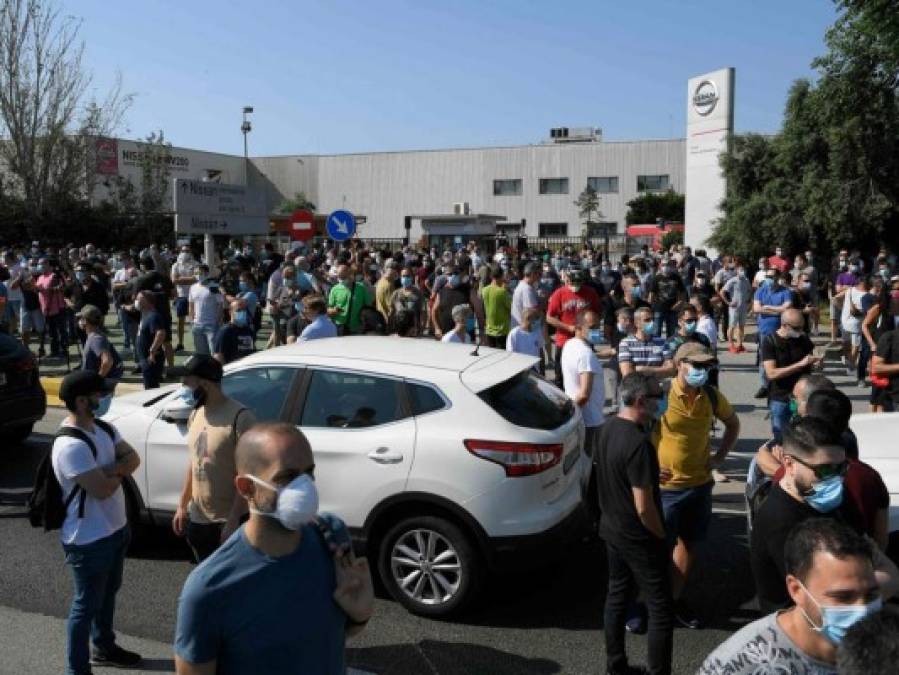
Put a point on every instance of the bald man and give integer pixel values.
(786, 357)
(279, 596)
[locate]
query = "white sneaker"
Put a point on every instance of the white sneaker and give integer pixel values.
(719, 477)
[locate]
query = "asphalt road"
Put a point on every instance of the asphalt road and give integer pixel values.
(538, 622)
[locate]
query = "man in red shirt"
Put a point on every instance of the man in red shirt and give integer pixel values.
(564, 306)
(778, 262)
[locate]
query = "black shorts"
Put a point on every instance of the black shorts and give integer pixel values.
(688, 513)
(181, 307)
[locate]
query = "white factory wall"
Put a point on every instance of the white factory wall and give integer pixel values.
(387, 186)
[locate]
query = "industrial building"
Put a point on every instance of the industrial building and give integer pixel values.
(532, 184)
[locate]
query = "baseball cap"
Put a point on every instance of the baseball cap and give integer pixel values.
(82, 383)
(576, 276)
(91, 314)
(693, 352)
(199, 365)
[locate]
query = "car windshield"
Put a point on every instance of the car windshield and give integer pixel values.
(528, 401)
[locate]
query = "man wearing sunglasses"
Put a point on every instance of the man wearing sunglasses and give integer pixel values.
(814, 467)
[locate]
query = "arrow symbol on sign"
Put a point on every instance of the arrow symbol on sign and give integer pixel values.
(341, 226)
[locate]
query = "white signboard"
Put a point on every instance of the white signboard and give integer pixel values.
(195, 196)
(710, 123)
(217, 208)
(189, 223)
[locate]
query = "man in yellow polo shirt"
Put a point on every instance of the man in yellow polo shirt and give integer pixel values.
(686, 460)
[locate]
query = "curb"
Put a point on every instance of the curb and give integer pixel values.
(51, 388)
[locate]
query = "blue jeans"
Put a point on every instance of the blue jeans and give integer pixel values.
(97, 573)
(204, 339)
(129, 329)
(780, 418)
(668, 319)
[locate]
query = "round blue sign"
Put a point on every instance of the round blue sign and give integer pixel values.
(341, 225)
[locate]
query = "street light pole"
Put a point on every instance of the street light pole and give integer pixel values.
(246, 128)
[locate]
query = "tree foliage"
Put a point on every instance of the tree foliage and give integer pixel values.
(830, 178)
(649, 206)
(47, 121)
(588, 209)
(298, 201)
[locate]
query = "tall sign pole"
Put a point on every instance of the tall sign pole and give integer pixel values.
(710, 123)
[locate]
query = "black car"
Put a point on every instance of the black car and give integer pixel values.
(22, 398)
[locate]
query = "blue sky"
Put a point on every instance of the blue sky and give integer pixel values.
(338, 76)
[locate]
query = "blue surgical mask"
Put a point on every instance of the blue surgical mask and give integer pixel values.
(622, 328)
(649, 328)
(470, 325)
(690, 327)
(697, 377)
(406, 282)
(594, 336)
(768, 282)
(244, 287)
(826, 495)
(81, 276)
(836, 620)
(637, 292)
(241, 318)
(298, 306)
(455, 280)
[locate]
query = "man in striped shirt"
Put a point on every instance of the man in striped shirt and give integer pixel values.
(644, 352)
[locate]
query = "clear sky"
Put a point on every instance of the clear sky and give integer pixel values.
(334, 76)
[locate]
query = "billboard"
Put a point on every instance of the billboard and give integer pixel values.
(106, 151)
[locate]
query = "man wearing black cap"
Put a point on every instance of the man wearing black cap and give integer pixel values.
(90, 461)
(163, 290)
(210, 509)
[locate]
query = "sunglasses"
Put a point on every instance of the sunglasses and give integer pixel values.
(825, 471)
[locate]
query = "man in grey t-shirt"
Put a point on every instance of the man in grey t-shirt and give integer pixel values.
(830, 570)
(737, 293)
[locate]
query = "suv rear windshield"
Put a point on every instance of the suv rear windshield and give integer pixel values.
(528, 401)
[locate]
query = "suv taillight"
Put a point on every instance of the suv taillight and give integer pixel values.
(518, 459)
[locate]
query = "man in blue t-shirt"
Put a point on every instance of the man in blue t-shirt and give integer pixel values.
(770, 301)
(282, 594)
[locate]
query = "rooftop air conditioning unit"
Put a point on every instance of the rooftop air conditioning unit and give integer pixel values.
(461, 209)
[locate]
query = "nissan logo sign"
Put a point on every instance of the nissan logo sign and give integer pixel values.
(705, 97)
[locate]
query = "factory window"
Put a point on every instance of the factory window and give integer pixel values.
(653, 183)
(554, 186)
(507, 187)
(604, 184)
(553, 229)
(602, 229)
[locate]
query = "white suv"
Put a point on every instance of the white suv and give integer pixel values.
(444, 461)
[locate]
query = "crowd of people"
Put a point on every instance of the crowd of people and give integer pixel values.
(651, 324)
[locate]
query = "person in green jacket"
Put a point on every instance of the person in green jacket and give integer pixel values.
(497, 309)
(346, 300)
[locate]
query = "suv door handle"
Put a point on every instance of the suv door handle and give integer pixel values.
(384, 456)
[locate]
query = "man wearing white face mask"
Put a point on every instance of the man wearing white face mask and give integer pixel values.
(284, 592)
(830, 578)
(210, 508)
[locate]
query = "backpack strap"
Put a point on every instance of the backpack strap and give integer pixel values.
(75, 432)
(712, 394)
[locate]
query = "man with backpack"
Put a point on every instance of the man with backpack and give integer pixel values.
(686, 460)
(210, 508)
(89, 462)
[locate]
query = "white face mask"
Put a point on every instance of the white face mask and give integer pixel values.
(297, 502)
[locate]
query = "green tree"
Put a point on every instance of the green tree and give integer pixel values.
(298, 201)
(649, 206)
(830, 178)
(588, 209)
(672, 238)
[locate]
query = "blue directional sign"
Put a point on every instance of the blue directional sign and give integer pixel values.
(341, 225)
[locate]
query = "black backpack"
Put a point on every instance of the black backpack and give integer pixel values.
(46, 506)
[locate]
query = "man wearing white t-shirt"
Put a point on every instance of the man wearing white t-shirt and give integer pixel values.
(90, 461)
(184, 275)
(207, 304)
(582, 375)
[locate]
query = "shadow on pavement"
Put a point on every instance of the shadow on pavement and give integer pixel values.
(446, 658)
(158, 666)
